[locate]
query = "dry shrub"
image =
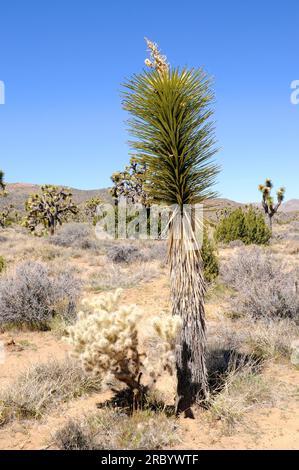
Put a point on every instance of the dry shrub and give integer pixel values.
(76, 235)
(270, 339)
(155, 250)
(243, 390)
(31, 296)
(111, 429)
(265, 288)
(113, 276)
(124, 253)
(75, 435)
(262, 339)
(42, 387)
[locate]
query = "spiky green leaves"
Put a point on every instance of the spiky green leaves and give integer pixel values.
(173, 134)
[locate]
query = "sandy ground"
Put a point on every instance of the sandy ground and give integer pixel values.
(266, 428)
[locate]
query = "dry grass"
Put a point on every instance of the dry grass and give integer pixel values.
(271, 339)
(112, 276)
(42, 387)
(263, 339)
(110, 429)
(242, 390)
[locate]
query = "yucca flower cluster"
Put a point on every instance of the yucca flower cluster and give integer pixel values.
(157, 60)
(105, 338)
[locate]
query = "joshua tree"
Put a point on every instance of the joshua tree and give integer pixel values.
(6, 216)
(268, 202)
(5, 212)
(130, 183)
(2, 184)
(90, 207)
(49, 208)
(173, 136)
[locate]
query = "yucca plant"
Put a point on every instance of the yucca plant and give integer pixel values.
(173, 136)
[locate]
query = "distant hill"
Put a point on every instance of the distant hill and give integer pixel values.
(19, 192)
(290, 206)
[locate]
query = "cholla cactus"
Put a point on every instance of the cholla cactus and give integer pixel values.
(167, 329)
(268, 202)
(49, 208)
(105, 338)
(157, 60)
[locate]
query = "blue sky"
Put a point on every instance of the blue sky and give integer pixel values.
(63, 63)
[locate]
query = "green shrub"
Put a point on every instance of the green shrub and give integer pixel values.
(248, 226)
(209, 258)
(2, 264)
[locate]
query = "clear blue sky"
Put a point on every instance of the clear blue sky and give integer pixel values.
(62, 63)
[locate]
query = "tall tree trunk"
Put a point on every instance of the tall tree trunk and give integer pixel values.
(187, 296)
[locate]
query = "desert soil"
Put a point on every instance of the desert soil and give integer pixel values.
(265, 428)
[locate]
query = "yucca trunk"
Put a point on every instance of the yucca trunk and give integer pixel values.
(187, 297)
(173, 137)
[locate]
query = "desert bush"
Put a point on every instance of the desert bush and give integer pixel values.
(111, 429)
(248, 226)
(76, 235)
(209, 259)
(243, 390)
(43, 386)
(2, 264)
(74, 435)
(31, 297)
(117, 275)
(251, 338)
(124, 253)
(105, 339)
(270, 339)
(155, 250)
(265, 288)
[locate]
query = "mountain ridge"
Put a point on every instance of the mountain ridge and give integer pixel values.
(18, 193)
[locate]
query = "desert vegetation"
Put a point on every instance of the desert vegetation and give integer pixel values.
(270, 208)
(246, 226)
(252, 330)
(112, 343)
